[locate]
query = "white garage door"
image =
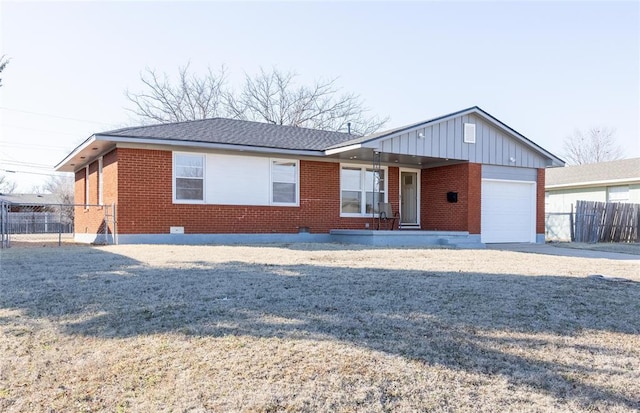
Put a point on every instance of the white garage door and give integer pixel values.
(508, 211)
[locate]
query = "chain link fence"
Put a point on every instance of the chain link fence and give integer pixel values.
(45, 222)
(4, 224)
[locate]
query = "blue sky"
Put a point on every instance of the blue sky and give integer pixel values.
(544, 68)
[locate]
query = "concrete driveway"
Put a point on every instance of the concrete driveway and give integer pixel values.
(548, 249)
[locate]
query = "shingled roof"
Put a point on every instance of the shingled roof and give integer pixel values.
(237, 132)
(33, 199)
(613, 171)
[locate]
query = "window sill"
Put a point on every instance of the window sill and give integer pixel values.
(188, 202)
(352, 215)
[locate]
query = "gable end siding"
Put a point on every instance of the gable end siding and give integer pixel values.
(446, 140)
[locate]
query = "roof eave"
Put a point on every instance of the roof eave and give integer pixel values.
(335, 151)
(66, 164)
(590, 184)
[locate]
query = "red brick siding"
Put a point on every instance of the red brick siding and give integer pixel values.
(436, 213)
(91, 220)
(140, 183)
(394, 188)
(145, 203)
(78, 193)
(540, 225)
(474, 198)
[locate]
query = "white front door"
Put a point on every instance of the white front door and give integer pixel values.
(409, 205)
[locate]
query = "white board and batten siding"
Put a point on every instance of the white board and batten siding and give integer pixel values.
(508, 204)
(445, 139)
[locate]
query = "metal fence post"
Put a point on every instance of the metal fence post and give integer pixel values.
(60, 227)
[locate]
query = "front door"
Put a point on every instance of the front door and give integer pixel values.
(408, 198)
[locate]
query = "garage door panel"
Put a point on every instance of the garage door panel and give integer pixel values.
(508, 211)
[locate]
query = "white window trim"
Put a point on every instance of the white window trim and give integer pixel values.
(204, 177)
(100, 182)
(469, 133)
(297, 182)
(618, 189)
(363, 189)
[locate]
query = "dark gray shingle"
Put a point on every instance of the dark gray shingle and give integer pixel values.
(237, 132)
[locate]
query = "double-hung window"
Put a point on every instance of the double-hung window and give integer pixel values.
(284, 181)
(361, 189)
(188, 172)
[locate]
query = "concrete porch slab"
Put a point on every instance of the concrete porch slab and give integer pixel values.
(407, 238)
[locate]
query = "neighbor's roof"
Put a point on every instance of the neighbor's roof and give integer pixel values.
(622, 171)
(37, 199)
(238, 132)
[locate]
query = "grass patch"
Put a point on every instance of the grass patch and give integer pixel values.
(307, 328)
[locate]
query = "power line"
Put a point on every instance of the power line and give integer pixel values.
(54, 116)
(12, 171)
(27, 164)
(31, 145)
(41, 130)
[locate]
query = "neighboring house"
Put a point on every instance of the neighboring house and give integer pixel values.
(465, 175)
(613, 181)
(36, 213)
(29, 202)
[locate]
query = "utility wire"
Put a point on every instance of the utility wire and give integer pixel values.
(12, 171)
(53, 116)
(27, 164)
(41, 130)
(32, 146)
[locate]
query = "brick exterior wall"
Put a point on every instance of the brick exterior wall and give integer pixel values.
(540, 224)
(436, 213)
(90, 220)
(140, 182)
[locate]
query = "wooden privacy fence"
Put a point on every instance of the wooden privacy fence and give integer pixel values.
(606, 222)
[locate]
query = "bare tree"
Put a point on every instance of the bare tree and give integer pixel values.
(4, 61)
(270, 96)
(62, 186)
(274, 97)
(595, 145)
(6, 186)
(191, 98)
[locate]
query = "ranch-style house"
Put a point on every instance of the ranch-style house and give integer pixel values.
(463, 179)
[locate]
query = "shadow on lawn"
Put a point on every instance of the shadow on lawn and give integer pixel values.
(451, 319)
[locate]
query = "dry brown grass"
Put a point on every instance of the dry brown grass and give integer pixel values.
(315, 328)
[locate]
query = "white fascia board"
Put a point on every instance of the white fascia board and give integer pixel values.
(334, 151)
(206, 145)
(88, 142)
(609, 182)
